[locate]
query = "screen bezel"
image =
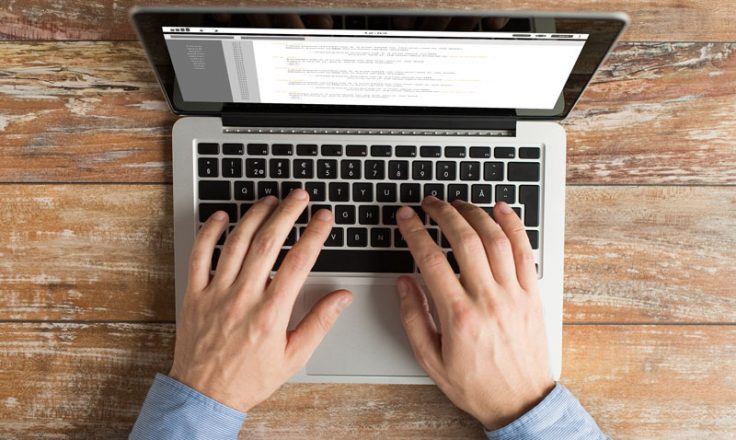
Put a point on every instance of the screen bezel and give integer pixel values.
(603, 30)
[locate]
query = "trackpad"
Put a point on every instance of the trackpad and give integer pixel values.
(368, 338)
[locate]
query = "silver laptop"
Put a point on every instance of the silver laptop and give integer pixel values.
(369, 111)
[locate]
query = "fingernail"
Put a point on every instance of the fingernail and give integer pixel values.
(299, 194)
(504, 207)
(269, 200)
(342, 303)
(403, 288)
(219, 215)
(404, 213)
(324, 215)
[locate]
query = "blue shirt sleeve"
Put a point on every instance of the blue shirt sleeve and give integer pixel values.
(558, 416)
(173, 410)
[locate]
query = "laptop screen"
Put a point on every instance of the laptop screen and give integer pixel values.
(366, 65)
(377, 68)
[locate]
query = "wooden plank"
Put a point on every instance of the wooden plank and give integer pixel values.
(687, 20)
(104, 252)
(656, 114)
(88, 380)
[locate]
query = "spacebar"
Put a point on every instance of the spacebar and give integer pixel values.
(334, 260)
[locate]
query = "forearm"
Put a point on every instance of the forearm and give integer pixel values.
(173, 410)
(558, 416)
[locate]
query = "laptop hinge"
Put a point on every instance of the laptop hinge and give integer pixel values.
(383, 121)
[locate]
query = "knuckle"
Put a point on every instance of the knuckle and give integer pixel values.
(265, 319)
(324, 321)
(468, 239)
(297, 259)
(198, 260)
(264, 242)
(500, 241)
(433, 259)
(465, 319)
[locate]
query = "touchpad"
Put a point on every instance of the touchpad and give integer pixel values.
(367, 339)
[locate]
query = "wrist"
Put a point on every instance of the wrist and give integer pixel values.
(517, 408)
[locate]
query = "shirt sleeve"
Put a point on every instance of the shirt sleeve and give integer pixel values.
(558, 416)
(173, 410)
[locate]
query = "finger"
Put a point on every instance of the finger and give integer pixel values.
(520, 246)
(495, 242)
(200, 258)
(465, 242)
(269, 240)
(441, 280)
(419, 326)
(238, 241)
(313, 328)
(298, 262)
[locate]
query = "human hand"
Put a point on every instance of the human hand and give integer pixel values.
(490, 358)
(232, 342)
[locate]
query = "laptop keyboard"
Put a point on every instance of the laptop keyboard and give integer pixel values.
(364, 186)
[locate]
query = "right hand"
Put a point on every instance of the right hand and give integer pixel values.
(490, 358)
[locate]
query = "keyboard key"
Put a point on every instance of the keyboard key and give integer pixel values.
(406, 151)
(303, 218)
(480, 152)
(529, 197)
(257, 149)
(244, 207)
(287, 187)
(409, 193)
(223, 237)
(339, 192)
(207, 209)
(306, 150)
(345, 214)
(381, 150)
(430, 151)
(493, 171)
(386, 192)
(389, 214)
(421, 170)
(504, 153)
(506, 193)
(446, 171)
(457, 192)
(356, 260)
(455, 152)
(469, 170)
(232, 149)
(316, 191)
(282, 149)
(331, 150)
(523, 171)
(453, 262)
(350, 169)
(208, 167)
(399, 241)
(434, 233)
(444, 243)
(481, 194)
(304, 168)
(362, 192)
(533, 238)
(398, 169)
(245, 191)
(434, 189)
(517, 210)
(279, 168)
(214, 190)
(215, 258)
(368, 215)
(208, 148)
(375, 169)
(255, 168)
(381, 237)
(420, 213)
(232, 167)
(334, 238)
(529, 153)
(291, 238)
(356, 150)
(327, 169)
(268, 189)
(357, 237)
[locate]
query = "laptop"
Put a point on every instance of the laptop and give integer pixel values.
(369, 110)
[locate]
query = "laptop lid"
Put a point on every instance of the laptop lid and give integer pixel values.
(374, 68)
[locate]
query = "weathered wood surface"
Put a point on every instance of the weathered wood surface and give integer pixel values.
(105, 252)
(66, 380)
(656, 113)
(669, 20)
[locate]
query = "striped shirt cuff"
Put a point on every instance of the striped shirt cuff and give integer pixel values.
(173, 410)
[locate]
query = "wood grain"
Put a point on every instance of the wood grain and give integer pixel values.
(104, 252)
(685, 20)
(656, 113)
(65, 380)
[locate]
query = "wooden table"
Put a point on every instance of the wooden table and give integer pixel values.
(86, 261)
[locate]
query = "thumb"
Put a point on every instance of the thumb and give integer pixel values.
(313, 328)
(419, 326)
